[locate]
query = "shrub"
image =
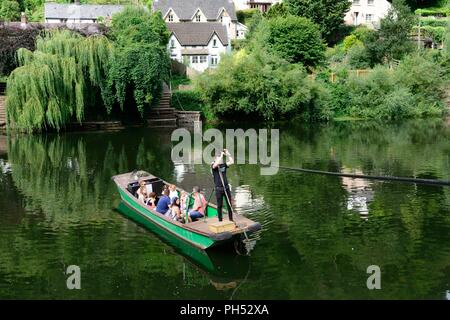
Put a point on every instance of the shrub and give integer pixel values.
(262, 85)
(189, 100)
(295, 39)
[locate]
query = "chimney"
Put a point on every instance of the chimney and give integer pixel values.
(23, 19)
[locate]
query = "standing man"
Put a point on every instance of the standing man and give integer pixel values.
(219, 171)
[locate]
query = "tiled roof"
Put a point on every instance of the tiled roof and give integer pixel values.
(198, 33)
(185, 9)
(76, 11)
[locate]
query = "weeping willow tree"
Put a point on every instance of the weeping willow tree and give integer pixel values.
(51, 84)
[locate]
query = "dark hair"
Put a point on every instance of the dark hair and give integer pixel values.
(174, 201)
(196, 189)
(166, 192)
(152, 194)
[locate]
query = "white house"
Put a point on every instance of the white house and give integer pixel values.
(198, 45)
(78, 13)
(367, 12)
(202, 11)
(262, 5)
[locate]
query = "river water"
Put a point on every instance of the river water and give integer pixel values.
(59, 207)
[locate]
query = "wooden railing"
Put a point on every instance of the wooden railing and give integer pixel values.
(358, 73)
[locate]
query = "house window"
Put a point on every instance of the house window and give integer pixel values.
(170, 17)
(221, 19)
(202, 59)
(197, 17)
(214, 43)
(194, 59)
(172, 43)
(356, 2)
(370, 2)
(369, 17)
(213, 60)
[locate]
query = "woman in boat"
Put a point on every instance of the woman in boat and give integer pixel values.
(173, 192)
(142, 192)
(164, 204)
(152, 200)
(176, 212)
(183, 201)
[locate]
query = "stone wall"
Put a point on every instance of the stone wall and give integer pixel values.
(187, 118)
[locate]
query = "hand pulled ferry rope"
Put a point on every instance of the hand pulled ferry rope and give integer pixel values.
(369, 177)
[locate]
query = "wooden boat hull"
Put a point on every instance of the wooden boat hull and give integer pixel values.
(202, 240)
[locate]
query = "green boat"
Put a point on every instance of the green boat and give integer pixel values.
(198, 233)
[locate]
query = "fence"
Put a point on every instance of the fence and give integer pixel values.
(358, 73)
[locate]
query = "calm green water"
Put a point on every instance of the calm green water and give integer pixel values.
(59, 207)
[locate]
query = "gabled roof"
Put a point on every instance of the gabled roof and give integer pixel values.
(77, 11)
(198, 34)
(185, 9)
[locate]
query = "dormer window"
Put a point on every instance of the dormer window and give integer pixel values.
(172, 43)
(197, 17)
(214, 43)
(170, 17)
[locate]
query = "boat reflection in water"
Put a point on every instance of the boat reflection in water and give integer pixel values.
(222, 266)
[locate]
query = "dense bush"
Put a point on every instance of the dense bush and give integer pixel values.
(295, 39)
(328, 14)
(262, 85)
(188, 100)
(12, 39)
(414, 89)
(244, 16)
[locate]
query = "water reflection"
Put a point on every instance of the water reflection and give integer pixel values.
(58, 207)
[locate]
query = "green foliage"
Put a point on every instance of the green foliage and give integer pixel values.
(9, 10)
(295, 39)
(50, 87)
(351, 41)
(262, 85)
(140, 62)
(244, 16)
(188, 100)
(439, 12)
(415, 4)
(328, 14)
(277, 10)
(392, 40)
(414, 89)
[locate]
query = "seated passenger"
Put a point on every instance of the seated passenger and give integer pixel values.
(163, 205)
(176, 212)
(183, 201)
(142, 192)
(152, 200)
(198, 210)
(173, 192)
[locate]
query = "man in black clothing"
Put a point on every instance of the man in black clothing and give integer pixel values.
(219, 171)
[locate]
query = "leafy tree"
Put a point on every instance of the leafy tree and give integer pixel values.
(415, 4)
(328, 14)
(140, 62)
(295, 39)
(9, 10)
(392, 41)
(277, 10)
(51, 86)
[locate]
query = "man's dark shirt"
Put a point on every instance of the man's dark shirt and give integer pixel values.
(223, 169)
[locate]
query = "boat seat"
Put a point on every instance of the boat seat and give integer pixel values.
(153, 185)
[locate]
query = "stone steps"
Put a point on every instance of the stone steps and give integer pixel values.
(2, 111)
